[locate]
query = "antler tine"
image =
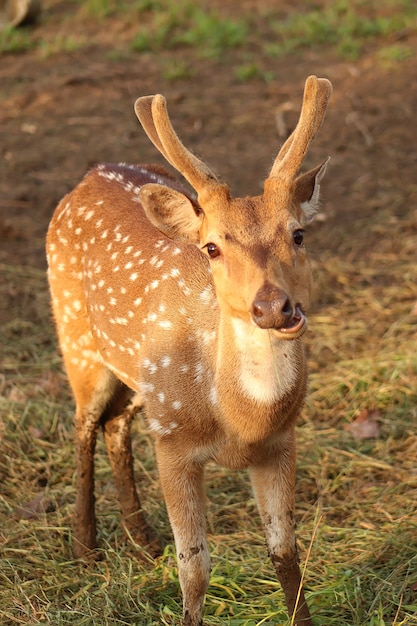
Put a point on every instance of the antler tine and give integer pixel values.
(317, 92)
(153, 115)
(143, 110)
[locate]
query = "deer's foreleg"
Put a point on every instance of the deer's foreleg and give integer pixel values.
(182, 484)
(273, 483)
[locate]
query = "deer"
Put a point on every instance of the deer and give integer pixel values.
(191, 306)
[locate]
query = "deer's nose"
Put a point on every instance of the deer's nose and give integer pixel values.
(271, 307)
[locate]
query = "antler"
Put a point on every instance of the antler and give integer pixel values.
(153, 115)
(317, 92)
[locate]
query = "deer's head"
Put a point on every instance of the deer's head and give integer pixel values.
(254, 245)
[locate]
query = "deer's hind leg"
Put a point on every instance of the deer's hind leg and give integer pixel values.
(93, 386)
(116, 425)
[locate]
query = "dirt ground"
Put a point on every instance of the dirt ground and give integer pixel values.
(60, 113)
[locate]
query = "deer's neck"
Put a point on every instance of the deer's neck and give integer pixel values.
(256, 377)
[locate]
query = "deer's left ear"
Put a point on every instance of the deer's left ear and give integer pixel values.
(307, 191)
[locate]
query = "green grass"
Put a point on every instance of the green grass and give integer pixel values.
(13, 41)
(185, 24)
(177, 28)
(346, 26)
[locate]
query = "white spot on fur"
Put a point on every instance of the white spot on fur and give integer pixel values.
(150, 366)
(199, 370)
(213, 395)
(206, 295)
(206, 337)
(146, 387)
(157, 427)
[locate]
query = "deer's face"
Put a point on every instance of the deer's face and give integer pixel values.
(259, 262)
(255, 247)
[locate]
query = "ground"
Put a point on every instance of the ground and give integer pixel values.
(62, 110)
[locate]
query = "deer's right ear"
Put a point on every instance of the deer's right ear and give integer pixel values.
(307, 190)
(171, 212)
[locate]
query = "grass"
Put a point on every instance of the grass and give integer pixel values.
(349, 28)
(186, 24)
(345, 25)
(13, 41)
(356, 496)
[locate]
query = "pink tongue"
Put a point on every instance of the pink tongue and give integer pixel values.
(294, 320)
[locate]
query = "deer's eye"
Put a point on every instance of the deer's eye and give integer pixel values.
(298, 236)
(212, 250)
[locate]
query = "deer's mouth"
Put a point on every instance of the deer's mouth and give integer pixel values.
(294, 326)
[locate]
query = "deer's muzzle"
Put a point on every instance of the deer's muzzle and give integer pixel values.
(272, 309)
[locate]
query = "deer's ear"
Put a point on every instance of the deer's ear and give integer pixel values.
(307, 191)
(171, 212)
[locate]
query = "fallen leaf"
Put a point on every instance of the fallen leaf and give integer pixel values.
(32, 509)
(365, 425)
(37, 433)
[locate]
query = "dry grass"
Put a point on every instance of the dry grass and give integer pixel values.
(357, 495)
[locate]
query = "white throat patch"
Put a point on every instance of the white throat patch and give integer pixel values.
(268, 367)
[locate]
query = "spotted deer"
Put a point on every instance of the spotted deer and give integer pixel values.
(192, 308)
